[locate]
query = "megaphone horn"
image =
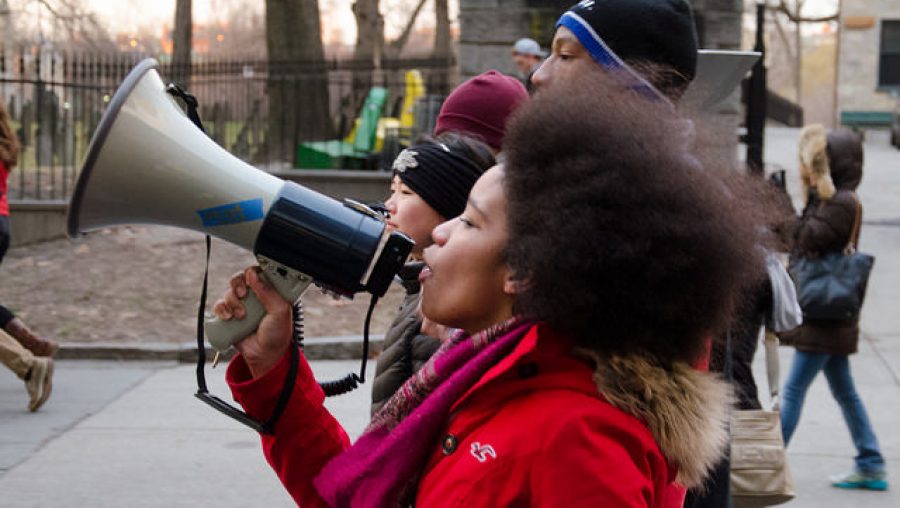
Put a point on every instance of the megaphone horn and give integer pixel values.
(148, 164)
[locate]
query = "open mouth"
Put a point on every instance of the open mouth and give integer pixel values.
(425, 273)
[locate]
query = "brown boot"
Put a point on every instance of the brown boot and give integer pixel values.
(29, 340)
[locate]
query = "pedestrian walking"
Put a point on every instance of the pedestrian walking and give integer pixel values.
(831, 168)
(21, 350)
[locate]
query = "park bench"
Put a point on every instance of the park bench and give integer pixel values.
(861, 120)
(353, 151)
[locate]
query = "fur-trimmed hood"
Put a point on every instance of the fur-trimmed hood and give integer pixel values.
(814, 160)
(834, 158)
(686, 410)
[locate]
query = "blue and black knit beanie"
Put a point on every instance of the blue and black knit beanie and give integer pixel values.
(658, 32)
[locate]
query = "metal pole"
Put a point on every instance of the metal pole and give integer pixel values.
(756, 100)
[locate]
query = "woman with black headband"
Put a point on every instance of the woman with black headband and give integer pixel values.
(430, 185)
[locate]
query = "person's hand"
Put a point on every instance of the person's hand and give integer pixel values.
(263, 348)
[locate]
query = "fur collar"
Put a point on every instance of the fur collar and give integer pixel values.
(686, 410)
(814, 160)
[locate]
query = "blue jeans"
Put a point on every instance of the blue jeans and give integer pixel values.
(804, 369)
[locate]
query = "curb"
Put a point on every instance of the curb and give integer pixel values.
(320, 348)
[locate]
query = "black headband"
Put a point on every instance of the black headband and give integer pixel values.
(440, 176)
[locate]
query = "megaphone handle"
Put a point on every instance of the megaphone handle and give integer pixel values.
(289, 283)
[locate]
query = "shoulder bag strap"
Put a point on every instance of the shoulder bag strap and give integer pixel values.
(772, 368)
(853, 242)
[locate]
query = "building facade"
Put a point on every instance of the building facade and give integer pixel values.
(869, 57)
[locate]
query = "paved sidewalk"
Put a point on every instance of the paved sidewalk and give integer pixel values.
(127, 434)
(131, 434)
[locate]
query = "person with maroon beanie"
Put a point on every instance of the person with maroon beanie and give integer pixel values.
(481, 106)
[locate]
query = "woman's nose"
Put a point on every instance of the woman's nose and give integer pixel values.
(441, 233)
(391, 205)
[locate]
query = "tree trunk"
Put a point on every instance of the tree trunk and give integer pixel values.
(369, 32)
(367, 53)
(442, 47)
(439, 79)
(181, 42)
(396, 46)
(298, 78)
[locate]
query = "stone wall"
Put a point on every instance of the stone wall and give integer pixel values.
(488, 29)
(719, 23)
(36, 221)
(859, 51)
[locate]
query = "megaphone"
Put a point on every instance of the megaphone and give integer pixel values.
(147, 163)
(719, 72)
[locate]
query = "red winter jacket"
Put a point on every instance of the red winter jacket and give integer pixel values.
(4, 185)
(532, 432)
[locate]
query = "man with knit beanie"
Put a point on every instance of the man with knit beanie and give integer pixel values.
(481, 106)
(650, 44)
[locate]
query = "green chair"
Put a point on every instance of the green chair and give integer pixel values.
(353, 151)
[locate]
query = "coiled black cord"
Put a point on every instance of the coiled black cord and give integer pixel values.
(352, 381)
(298, 323)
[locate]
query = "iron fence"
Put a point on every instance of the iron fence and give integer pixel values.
(56, 100)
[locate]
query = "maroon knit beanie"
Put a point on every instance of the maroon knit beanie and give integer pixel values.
(480, 107)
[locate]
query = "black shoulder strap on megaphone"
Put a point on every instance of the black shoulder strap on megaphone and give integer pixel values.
(267, 427)
(190, 103)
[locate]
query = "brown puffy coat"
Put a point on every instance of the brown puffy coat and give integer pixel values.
(405, 347)
(825, 226)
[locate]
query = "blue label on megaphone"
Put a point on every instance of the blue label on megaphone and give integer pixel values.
(232, 213)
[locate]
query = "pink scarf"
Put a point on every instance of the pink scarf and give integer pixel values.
(381, 468)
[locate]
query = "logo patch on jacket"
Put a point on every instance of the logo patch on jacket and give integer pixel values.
(482, 452)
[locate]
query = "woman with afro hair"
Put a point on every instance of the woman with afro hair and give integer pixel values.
(584, 274)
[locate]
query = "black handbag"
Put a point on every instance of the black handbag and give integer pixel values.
(833, 286)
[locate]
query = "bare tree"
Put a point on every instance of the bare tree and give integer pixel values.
(442, 47)
(298, 78)
(7, 29)
(77, 22)
(395, 47)
(793, 13)
(369, 30)
(370, 41)
(181, 43)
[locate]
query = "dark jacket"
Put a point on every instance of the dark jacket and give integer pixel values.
(825, 226)
(405, 348)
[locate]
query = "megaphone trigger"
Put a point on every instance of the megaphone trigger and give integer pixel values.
(289, 283)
